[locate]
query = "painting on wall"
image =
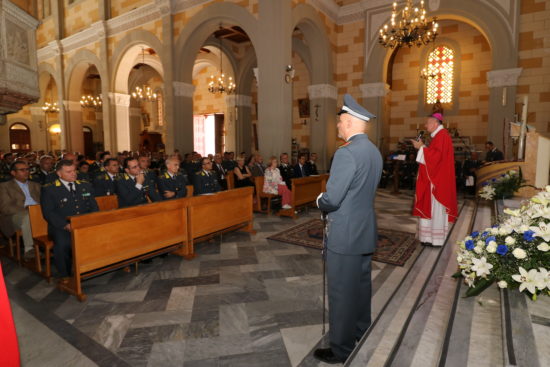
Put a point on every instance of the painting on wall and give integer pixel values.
(303, 107)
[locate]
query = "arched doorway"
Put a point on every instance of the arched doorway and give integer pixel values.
(139, 98)
(20, 138)
(89, 150)
(54, 137)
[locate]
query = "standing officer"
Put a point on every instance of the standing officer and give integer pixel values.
(206, 180)
(172, 183)
(133, 187)
(104, 181)
(60, 199)
(352, 235)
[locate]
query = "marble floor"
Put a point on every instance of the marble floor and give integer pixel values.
(244, 301)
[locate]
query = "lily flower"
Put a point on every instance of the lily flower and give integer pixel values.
(481, 266)
(543, 231)
(527, 279)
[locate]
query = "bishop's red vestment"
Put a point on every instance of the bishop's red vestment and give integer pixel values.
(435, 198)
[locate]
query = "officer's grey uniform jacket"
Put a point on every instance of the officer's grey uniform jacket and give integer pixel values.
(349, 199)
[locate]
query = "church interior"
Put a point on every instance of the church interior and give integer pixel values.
(209, 283)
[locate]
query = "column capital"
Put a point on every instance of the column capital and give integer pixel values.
(72, 105)
(120, 99)
(370, 90)
(239, 100)
(322, 91)
(503, 77)
(182, 89)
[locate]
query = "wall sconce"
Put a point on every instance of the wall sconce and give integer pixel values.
(289, 73)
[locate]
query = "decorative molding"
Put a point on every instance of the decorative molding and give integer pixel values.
(182, 89)
(164, 6)
(82, 38)
(72, 106)
(19, 15)
(132, 19)
(329, 7)
(20, 80)
(503, 77)
(239, 100)
(181, 5)
(374, 90)
(120, 99)
(354, 12)
(37, 111)
(322, 91)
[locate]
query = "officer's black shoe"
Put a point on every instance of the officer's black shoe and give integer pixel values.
(326, 355)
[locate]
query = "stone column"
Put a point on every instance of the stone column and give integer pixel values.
(121, 106)
(63, 115)
(274, 51)
(75, 134)
(165, 8)
(502, 98)
(373, 95)
(182, 127)
(238, 124)
(323, 120)
(40, 140)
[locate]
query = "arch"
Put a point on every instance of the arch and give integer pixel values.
(123, 57)
(20, 139)
(46, 69)
(25, 127)
(76, 70)
(306, 18)
(245, 75)
(478, 15)
(201, 26)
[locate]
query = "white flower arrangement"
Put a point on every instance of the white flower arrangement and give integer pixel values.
(514, 253)
(502, 187)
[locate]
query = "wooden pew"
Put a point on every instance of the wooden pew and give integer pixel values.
(260, 195)
(230, 179)
(304, 192)
(220, 212)
(39, 229)
(107, 202)
(103, 241)
(189, 191)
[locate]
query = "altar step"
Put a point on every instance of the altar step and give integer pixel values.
(428, 322)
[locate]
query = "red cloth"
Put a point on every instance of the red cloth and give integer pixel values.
(9, 351)
(438, 171)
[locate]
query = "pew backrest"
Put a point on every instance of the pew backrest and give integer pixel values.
(39, 226)
(213, 213)
(107, 202)
(306, 189)
(230, 178)
(104, 238)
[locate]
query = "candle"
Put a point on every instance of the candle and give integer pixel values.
(524, 110)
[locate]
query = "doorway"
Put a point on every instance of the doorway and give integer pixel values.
(208, 132)
(88, 142)
(20, 138)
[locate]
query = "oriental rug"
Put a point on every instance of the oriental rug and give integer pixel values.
(394, 247)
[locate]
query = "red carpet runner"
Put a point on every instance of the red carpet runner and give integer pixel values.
(9, 350)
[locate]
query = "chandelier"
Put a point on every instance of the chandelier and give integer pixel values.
(50, 107)
(218, 84)
(143, 93)
(90, 101)
(412, 29)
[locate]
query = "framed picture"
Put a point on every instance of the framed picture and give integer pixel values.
(303, 107)
(146, 120)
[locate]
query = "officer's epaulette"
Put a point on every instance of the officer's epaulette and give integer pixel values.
(345, 144)
(201, 173)
(126, 177)
(79, 181)
(57, 183)
(166, 175)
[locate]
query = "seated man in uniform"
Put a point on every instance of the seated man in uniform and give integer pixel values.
(286, 170)
(104, 182)
(206, 180)
(15, 196)
(43, 174)
(133, 187)
(144, 163)
(311, 165)
(172, 183)
(60, 199)
(221, 173)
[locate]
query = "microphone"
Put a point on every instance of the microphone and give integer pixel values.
(420, 135)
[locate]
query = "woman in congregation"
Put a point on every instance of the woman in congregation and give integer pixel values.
(274, 183)
(242, 174)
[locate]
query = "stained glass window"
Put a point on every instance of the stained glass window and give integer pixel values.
(440, 70)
